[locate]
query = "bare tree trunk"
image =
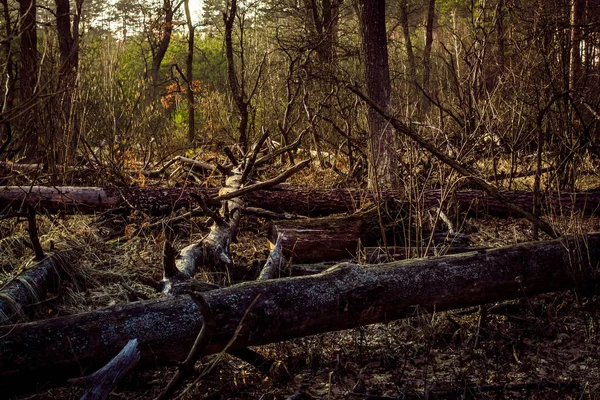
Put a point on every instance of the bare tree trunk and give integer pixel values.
(163, 44)
(66, 138)
(29, 67)
(501, 40)
(189, 74)
(346, 296)
(412, 65)
(382, 140)
(237, 88)
(9, 93)
(427, 49)
(577, 21)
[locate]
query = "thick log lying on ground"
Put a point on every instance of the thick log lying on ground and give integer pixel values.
(162, 201)
(32, 285)
(344, 297)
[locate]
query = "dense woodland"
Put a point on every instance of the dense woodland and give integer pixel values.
(234, 192)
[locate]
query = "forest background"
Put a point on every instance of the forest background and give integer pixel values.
(494, 84)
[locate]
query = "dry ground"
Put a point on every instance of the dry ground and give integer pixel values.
(541, 347)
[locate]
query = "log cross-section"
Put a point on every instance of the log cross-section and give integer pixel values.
(346, 296)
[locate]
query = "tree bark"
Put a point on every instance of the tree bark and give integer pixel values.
(346, 296)
(28, 72)
(427, 49)
(66, 138)
(164, 201)
(189, 75)
(161, 49)
(404, 21)
(383, 161)
(577, 21)
(237, 89)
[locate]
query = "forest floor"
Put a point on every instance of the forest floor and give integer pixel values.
(541, 347)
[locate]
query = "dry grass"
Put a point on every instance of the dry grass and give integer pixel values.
(548, 338)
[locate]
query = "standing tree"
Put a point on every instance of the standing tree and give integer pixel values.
(28, 75)
(189, 73)
(383, 162)
(160, 47)
(65, 144)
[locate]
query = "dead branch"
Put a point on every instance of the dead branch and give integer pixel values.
(266, 184)
(102, 382)
(460, 168)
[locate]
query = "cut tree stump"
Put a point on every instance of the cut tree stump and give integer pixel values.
(38, 354)
(164, 201)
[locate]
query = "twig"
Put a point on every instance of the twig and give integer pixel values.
(187, 366)
(207, 211)
(102, 382)
(231, 157)
(274, 263)
(460, 168)
(33, 234)
(263, 185)
(252, 160)
(229, 344)
(281, 150)
(261, 212)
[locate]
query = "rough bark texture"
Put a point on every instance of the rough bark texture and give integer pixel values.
(383, 161)
(237, 88)
(163, 201)
(49, 352)
(335, 237)
(428, 43)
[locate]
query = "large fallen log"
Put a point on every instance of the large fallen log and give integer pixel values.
(163, 201)
(37, 354)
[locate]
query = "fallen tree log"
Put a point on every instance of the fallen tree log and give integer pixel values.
(38, 354)
(338, 237)
(32, 285)
(163, 201)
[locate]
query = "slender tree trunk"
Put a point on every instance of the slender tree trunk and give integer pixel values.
(163, 44)
(577, 21)
(29, 67)
(382, 142)
(412, 65)
(189, 74)
(237, 89)
(501, 40)
(9, 93)
(427, 49)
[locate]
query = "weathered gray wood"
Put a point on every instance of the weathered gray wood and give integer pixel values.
(345, 296)
(102, 382)
(163, 201)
